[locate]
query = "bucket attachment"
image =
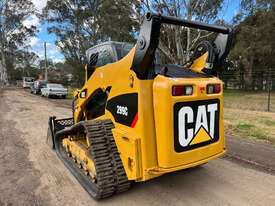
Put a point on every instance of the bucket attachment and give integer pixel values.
(54, 126)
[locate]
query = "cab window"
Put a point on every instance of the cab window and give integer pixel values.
(123, 49)
(105, 56)
(101, 56)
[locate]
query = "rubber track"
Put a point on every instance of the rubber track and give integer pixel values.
(110, 174)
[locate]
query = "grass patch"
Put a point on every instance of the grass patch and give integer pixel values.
(245, 115)
(254, 101)
(269, 123)
(250, 124)
(245, 126)
(250, 130)
(258, 134)
(234, 93)
(70, 94)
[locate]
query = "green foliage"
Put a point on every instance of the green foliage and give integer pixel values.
(70, 94)
(13, 74)
(245, 126)
(116, 20)
(13, 33)
(81, 24)
(78, 76)
(49, 63)
(258, 134)
(269, 123)
(61, 73)
(20, 64)
(250, 130)
(254, 46)
(73, 22)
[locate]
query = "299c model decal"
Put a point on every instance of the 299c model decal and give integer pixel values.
(124, 108)
(196, 124)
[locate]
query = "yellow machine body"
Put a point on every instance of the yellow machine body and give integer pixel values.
(147, 147)
(136, 118)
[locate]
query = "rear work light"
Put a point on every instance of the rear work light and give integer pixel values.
(182, 90)
(213, 88)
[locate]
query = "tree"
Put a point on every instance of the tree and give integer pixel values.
(255, 45)
(176, 42)
(64, 68)
(81, 24)
(74, 22)
(13, 33)
(49, 63)
(118, 21)
(66, 72)
(21, 63)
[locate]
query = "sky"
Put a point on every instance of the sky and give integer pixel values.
(36, 43)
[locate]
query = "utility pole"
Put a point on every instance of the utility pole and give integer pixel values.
(46, 69)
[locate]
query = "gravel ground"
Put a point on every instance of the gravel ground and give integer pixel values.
(31, 174)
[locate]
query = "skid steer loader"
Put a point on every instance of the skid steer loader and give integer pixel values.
(136, 119)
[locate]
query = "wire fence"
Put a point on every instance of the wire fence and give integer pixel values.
(251, 90)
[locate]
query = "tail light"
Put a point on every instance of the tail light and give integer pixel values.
(182, 90)
(213, 88)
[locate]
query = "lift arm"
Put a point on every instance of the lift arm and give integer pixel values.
(148, 41)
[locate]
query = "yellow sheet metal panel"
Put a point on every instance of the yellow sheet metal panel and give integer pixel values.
(117, 75)
(144, 131)
(147, 127)
(130, 153)
(160, 171)
(177, 145)
(199, 63)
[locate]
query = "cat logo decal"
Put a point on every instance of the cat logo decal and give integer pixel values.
(196, 124)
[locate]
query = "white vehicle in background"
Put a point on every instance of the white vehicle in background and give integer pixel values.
(54, 90)
(28, 82)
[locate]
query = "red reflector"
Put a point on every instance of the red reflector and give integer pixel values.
(202, 88)
(178, 90)
(217, 88)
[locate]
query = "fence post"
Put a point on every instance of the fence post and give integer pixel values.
(269, 89)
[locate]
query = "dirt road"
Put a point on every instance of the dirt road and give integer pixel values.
(31, 174)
